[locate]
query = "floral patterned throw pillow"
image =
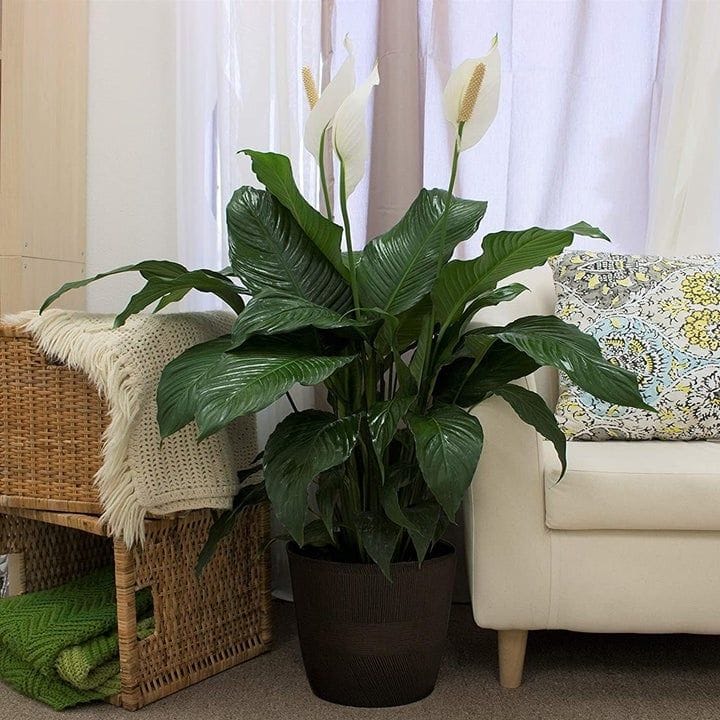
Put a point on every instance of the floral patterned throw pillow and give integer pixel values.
(659, 318)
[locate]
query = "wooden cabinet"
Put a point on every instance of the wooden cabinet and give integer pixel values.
(43, 138)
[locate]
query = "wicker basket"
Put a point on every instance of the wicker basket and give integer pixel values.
(203, 626)
(52, 421)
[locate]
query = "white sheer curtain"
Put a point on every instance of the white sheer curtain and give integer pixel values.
(575, 134)
(685, 207)
(239, 87)
(575, 137)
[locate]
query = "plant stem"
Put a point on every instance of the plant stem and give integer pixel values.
(456, 155)
(292, 402)
(348, 241)
(446, 211)
(323, 178)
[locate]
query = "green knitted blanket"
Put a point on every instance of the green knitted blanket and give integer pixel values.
(60, 646)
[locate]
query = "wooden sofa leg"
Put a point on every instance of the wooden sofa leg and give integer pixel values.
(511, 656)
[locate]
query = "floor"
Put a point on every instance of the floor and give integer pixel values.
(568, 675)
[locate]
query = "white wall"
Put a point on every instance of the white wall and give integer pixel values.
(131, 199)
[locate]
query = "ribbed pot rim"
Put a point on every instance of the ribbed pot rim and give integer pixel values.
(447, 547)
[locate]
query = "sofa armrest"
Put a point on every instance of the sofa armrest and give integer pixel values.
(507, 543)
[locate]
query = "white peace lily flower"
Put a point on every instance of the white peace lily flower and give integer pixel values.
(350, 132)
(472, 94)
(323, 107)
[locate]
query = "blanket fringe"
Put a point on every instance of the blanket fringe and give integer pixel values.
(60, 337)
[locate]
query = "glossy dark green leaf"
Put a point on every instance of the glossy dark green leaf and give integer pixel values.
(316, 534)
(147, 268)
(420, 360)
(301, 447)
(402, 331)
(474, 346)
(507, 293)
(329, 486)
(406, 385)
(384, 418)
(467, 382)
(247, 496)
(551, 341)
(419, 520)
(268, 314)
(399, 267)
(249, 379)
(583, 228)
(275, 173)
(448, 441)
(177, 389)
(380, 537)
(424, 520)
(504, 253)
(270, 251)
(167, 290)
(533, 410)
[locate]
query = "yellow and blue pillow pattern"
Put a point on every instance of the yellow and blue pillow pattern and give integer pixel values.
(657, 317)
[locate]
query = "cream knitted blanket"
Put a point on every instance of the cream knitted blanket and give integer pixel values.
(139, 474)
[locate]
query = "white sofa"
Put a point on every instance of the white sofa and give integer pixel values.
(627, 541)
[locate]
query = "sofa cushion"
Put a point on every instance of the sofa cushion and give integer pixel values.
(659, 318)
(651, 485)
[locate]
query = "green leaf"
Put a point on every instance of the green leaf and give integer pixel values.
(551, 341)
(441, 528)
(504, 253)
(177, 389)
(247, 496)
(380, 537)
(420, 358)
(301, 447)
(269, 314)
(316, 534)
(424, 519)
(491, 298)
(533, 410)
(406, 385)
(419, 520)
(249, 379)
(384, 418)
(270, 251)
(448, 441)
(583, 228)
(399, 267)
(275, 173)
(467, 382)
(402, 331)
(329, 483)
(168, 290)
(473, 345)
(147, 268)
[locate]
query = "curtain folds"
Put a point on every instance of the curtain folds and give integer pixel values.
(587, 111)
(685, 208)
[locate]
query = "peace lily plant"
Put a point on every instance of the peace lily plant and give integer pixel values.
(393, 332)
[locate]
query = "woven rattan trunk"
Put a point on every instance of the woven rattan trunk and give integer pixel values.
(203, 626)
(52, 422)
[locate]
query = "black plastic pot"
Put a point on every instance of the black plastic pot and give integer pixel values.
(367, 642)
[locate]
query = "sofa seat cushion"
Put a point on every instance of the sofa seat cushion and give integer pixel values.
(640, 485)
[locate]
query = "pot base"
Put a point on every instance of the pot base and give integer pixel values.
(367, 642)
